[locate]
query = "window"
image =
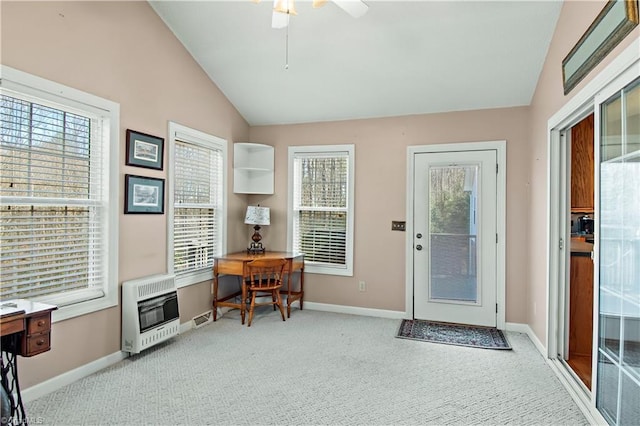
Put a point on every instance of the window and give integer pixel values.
(58, 195)
(197, 193)
(321, 207)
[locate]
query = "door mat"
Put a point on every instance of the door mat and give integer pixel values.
(453, 334)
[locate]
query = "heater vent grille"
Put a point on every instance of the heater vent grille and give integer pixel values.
(158, 284)
(202, 319)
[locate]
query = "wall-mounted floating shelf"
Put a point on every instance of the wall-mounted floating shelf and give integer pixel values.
(253, 168)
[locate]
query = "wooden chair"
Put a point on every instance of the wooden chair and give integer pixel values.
(265, 278)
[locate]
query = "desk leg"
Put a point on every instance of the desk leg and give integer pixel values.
(243, 302)
(299, 295)
(215, 296)
(301, 286)
(9, 380)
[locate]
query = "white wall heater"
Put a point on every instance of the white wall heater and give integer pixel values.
(149, 312)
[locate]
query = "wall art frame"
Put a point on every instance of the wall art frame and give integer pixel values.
(144, 150)
(143, 194)
(617, 19)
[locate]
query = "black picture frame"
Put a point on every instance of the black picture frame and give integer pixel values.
(611, 26)
(143, 195)
(144, 150)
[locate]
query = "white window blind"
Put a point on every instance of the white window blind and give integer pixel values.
(198, 198)
(52, 227)
(322, 208)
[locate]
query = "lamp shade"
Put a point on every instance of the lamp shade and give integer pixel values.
(257, 215)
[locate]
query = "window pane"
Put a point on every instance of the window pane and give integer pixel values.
(45, 151)
(197, 206)
(51, 230)
(194, 239)
(322, 236)
(46, 250)
(322, 182)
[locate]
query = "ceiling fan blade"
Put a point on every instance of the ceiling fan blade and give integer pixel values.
(318, 3)
(355, 8)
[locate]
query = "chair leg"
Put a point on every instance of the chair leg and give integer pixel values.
(253, 304)
(276, 293)
(273, 300)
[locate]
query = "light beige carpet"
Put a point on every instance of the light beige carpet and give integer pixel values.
(316, 368)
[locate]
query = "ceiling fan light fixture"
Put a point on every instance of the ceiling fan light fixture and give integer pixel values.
(285, 6)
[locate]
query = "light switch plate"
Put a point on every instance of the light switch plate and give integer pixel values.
(397, 225)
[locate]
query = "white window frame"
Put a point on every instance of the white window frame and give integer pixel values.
(189, 135)
(310, 267)
(82, 302)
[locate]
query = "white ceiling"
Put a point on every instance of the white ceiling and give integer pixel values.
(400, 58)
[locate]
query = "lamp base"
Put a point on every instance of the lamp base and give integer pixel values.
(256, 245)
(256, 248)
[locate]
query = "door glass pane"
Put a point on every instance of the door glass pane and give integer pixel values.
(619, 254)
(611, 141)
(453, 234)
(607, 395)
(629, 401)
(632, 116)
(631, 353)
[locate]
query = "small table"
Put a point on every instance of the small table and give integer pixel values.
(236, 264)
(26, 331)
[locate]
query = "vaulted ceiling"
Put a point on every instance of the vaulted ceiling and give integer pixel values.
(400, 58)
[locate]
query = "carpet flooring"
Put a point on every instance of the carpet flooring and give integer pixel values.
(453, 334)
(316, 368)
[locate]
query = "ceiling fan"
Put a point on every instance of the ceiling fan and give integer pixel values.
(282, 9)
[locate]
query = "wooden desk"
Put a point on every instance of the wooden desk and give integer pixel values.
(26, 331)
(236, 264)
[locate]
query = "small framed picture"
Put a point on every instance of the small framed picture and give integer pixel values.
(144, 150)
(143, 195)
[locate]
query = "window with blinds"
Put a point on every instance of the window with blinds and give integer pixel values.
(52, 232)
(198, 202)
(321, 208)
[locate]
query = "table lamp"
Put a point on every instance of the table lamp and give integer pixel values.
(257, 216)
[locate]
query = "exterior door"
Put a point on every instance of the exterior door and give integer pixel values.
(455, 250)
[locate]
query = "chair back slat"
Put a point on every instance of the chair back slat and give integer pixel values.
(266, 274)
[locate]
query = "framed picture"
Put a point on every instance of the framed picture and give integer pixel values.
(615, 21)
(143, 195)
(144, 150)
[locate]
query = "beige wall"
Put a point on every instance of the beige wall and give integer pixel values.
(575, 18)
(121, 51)
(380, 197)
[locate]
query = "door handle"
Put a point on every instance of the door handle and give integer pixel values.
(419, 247)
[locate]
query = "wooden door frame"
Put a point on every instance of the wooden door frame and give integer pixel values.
(500, 146)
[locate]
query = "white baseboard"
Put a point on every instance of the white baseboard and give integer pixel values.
(186, 326)
(524, 328)
(354, 310)
(64, 379)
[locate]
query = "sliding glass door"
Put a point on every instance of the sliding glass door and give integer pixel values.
(618, 344)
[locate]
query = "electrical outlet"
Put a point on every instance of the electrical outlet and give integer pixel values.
(397, 225)
(362, 286)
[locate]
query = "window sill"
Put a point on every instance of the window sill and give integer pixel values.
(327, 270)
(194, 278)
(79, 303)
